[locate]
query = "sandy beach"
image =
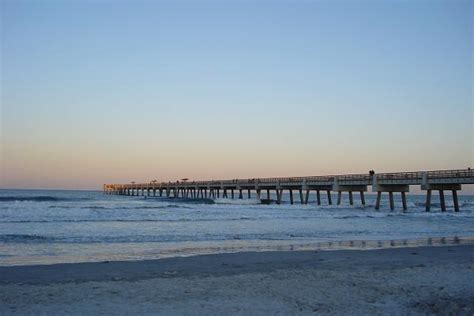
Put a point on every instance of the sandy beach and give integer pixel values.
(424, 280)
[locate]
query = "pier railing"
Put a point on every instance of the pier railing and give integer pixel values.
(415, 175)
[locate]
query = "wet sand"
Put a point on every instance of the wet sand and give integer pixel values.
(423, 280)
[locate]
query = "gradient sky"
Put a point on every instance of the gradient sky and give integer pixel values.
(117, 91)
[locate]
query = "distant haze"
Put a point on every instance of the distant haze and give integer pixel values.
(100, 92)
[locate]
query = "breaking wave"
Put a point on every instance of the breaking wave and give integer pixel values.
(29, 199)
(40, 198)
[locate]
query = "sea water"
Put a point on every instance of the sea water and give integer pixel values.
(44, 227)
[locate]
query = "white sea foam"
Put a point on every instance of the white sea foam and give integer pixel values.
(238, 201)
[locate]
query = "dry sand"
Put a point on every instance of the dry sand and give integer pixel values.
(425, 280)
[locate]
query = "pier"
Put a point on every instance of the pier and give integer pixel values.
(302, 187)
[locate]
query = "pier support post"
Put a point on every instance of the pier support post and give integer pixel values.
(249, 195)
(404, 201)
(291, 196)
(224, 195)
(362, 198)
(377, 202)
(240, 194)
(258, 192)
(232, 193)
(268, 194)
(339, 196)
(279, 193)
(301, 196)
(318, 197)
(428, 200)
(390, 195)
(307, 197)
(455, 201)
(351, 201)
(441, 201)
(329, 197)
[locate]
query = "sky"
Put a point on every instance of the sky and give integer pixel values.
(97, 92)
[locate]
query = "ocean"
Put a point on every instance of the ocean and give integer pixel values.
(49, 226)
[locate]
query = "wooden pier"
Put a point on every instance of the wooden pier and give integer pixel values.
(264, 188)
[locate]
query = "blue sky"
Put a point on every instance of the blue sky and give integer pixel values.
(94, 92)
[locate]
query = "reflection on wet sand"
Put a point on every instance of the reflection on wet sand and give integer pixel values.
(321, 246)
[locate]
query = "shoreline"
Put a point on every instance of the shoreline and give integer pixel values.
(396, 280)
(176, 250)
